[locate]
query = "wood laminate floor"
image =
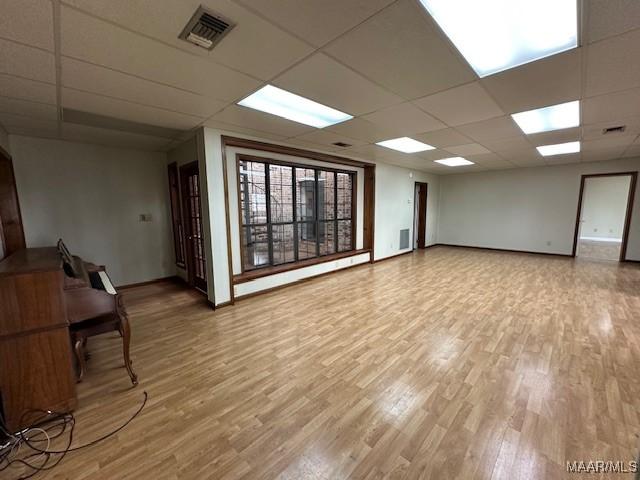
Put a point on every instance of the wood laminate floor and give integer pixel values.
(447, 363)
(598, 250)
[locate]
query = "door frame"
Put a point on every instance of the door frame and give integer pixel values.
(627, 220)
(186, 223)
(11, 227)
(421, 232)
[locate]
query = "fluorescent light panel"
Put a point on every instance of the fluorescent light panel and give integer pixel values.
(559, 149)
(555, 117)
(405, 145)
(293, 107)
(495, 35)
(454, 161)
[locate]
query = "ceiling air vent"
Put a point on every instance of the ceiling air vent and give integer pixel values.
(342, 144)
(618, 129)
(206, 28)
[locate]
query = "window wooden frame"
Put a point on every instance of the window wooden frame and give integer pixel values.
(270, 268)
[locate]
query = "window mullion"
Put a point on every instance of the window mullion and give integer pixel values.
(316, 175)
(267, 196)
(295, 214)
(335, 212)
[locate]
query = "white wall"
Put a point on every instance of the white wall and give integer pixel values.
(604, 207)
(92, 196)
(531, 209)
(395, 187)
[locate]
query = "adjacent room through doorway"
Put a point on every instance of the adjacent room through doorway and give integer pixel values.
(603, 216)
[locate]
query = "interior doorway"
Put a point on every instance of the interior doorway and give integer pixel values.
(420, 215)
(604, 216)
(194, 232)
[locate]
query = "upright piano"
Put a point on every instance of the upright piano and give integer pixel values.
(41, 294)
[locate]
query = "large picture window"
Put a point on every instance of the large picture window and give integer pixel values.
(291, 212)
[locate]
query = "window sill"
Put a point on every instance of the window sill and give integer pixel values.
(266, 271)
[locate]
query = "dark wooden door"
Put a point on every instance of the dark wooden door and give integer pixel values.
(11, 232)
(195, 261)
(422, 213)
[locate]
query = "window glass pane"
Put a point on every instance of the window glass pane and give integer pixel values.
(327, 237)
(326, 195)
(306, 240)
(344, 235)
(305, 194)
(253, 199)
(283, 245)
(255, 247)
(344, 195)
(281, 193)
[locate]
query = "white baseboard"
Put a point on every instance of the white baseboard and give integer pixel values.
(602, 239)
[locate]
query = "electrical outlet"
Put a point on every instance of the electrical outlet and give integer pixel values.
(548, 243)
(145, 217)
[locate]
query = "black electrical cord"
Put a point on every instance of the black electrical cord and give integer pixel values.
(54, 426)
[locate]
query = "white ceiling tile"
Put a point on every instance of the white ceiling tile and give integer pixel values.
(298, 142)
(522, 157)
(15, 87)
(490, 160)
(327, 138)
(443, 138)
(613, 107)
(548, 81)
(27, 62)
(469, 149)
(493, 129)
(254, 45)
(112, 138)
(556, 136)
(444, 170)
(608, 18)
(457, 106)
(28, 21)
(21, 125)
(402, 49)
(594, 131)
(612, 64)
(411, 162)
(602, 155)
(102, 43)
(564, 159)
(511, 144)
(235, 129)
(246, 117)
(632, 150)
(133, 112)
(84, 76)
(26, 108)
(316, 22)
(371, 152)
(363, 130)
(326, 81)
(526, 161)
(612, 143)
(405, 118)
(436, 154)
